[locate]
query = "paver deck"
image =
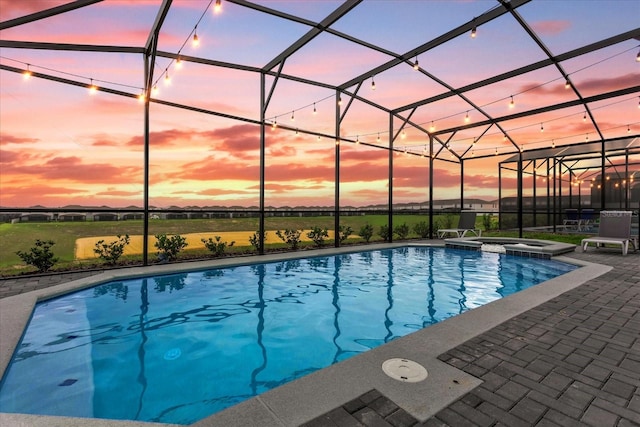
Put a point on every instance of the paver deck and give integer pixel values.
(571, 361)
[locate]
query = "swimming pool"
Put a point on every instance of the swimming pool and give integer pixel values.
(177, 348)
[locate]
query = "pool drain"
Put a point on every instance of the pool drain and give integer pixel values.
(404, 370)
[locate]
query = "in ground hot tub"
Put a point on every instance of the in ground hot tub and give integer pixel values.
(532, 248)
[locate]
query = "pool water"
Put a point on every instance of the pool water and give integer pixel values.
(178, 348)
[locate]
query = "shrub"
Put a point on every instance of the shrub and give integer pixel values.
(402, 231)
(366, 232)
(422, 229)
(40, 256)
(112, 251)
(255, 240)
(344, 232)
(290, 236)
(487, 221)
(447, 221)
(384, 232)
(169, 247)
(216, 247)
(318, 235)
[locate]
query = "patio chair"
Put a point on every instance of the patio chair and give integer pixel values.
(466, 223)
(571, 219)
(587, 217)
(615, 229)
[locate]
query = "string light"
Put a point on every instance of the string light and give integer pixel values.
(496, 151)
(403, 135)
(274, 124)
(196, 40)
(292, 117)
(378, 137)
(297, 133)
(217, 7)
(587, 138)
(27, 73)
(167, 79)
(141, 97)
(416, 65)
(473, 32)
(92, 88)
(553, 143)
(466, 118)
(541, 128)
(512, 104)
(357, 139)
(179, 62)
(337, 142)
(314, 108)
(638, 57)
(373, 84)
(567, 84)
(155, 89)
(433, 127)
(584, 117)
(628, 129)
(339, 100)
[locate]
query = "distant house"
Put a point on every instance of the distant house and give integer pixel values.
(72, 217)
(35, 217)
(177, 215)
(132, 215)
(105, 217)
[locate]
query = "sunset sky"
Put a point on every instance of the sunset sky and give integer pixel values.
(61, 145)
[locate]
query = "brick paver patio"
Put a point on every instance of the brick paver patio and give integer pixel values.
(572, 361)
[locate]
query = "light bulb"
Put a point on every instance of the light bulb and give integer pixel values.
(27, 73)
(373, 84)
(466, 118)
(92, 88)
(167, 79)
(292, 117)
(179, 62)
(433, 127)
(473, 32)
(416, 65)
(217, 7)
(196, 40)
(567, 85)
(314, 108)
(512, 103)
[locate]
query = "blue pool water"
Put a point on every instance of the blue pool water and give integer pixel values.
(180, 347)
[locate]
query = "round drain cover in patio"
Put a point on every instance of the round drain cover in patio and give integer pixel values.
(404, 370)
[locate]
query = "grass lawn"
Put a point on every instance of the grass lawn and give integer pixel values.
(21, 236)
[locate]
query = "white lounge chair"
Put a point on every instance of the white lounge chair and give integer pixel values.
(466, 223)
(614, 229)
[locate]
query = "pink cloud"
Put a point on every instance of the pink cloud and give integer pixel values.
(10, 9)
(550, 27)
(73, 169)
(13, 139)
(590, 85)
